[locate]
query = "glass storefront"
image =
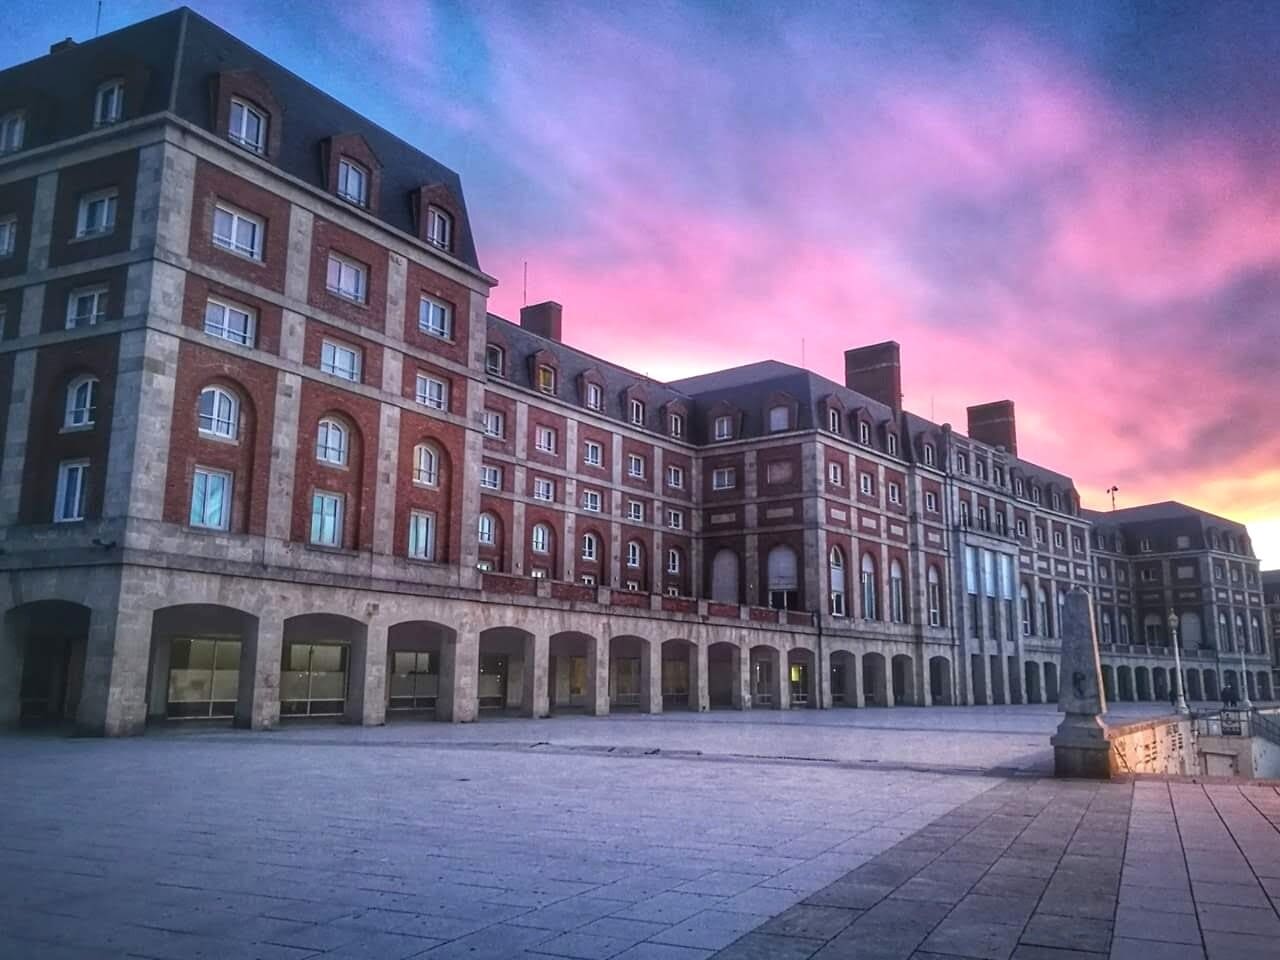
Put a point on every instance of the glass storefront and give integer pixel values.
(626, 678)
(415, 680)
(314, 680)
(799, 675)
(837, 683)
(675, 682)
(761, 682)
(204, 677)
(494, 670)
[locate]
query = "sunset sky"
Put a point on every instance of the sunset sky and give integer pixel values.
(1075, 206)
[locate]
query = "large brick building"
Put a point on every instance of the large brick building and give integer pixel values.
(266, 453)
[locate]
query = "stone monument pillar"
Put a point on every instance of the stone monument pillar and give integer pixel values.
(1080, 747)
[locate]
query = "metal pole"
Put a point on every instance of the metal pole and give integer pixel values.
(1245, 702)
(1181, 705)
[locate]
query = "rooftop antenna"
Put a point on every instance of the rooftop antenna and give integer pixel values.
(931, 415)
(97, 22)
(524, 292)
(1113, 490)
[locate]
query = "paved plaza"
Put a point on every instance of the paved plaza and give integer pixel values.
(905, 833)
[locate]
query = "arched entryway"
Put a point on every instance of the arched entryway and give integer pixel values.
(940, 681)
(1050, 682)
(1031, 681)
(875, 682)
(630, 683)
(1229, 683)
(1251, 685)
(844, 679)
(574, 683)
(766, 677)
(904, 680)
(679, 675)
(724, 675)
(508, 679)
(802, 677)
(319, 650)
(202, 663)
(1264, 686)
(43, 662)
(978, 679)
(1160, 683)
(1193, 690)
(420, 663)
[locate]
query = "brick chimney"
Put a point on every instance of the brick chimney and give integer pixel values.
(876, 372)
(65, 44)
(994, 423)
(542, 319)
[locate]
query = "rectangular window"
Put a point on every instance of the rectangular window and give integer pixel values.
(866, 483)
(422, 536)
(211, 499)
(97, 213)
(347, 278)
(108, 105)
(435, 318)
(545, 439)
(637, 413)
(546, 379)
(595, 397)
(587, 579)
(238, 232)
(723, 478)
(635, 466)
(12, 127)
(73, 482)
(591, 500)
(895, 493)
(675, 477)
(676, 424)
(494, 360)
(675, 519)
(673, 561)
(491, 477)
(431, 392)
(247, 126)
(8, 235)
(87, 307)
(591, 453)
(543, 489)
(931, 501)
(326, 519)
(229, 321)
(635, 511)
(835, 474)
(439, 228)
(353, 182)
(495, 424)
(724, 428)
(340, 360)
(778, 471)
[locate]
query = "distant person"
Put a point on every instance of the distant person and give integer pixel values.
(1173, 698)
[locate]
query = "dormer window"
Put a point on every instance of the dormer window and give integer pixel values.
(893, 444)
(779, 419)
(724, 428)
(439, 228)
(247, 126)
(637, 412)
(980, 469)
(1035, 494)
(1144, 545)
(962, 463)
(494, 360)
(864, 433)
(12, 130)
(108, 103)
(1017, 487)
(353, 182)
(675, 425)
(595, 396)
(930, 454)
(1057, 501)
(833, 421)
(546, 378)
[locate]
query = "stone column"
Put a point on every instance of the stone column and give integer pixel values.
(699, 679)
(113, 701)
(261, 657)
(12, 643)
(385, 476)
(651, 677)
(42, 222)
(534, 697)
(367, 681)
(781, 680)
(12, 463)
(598, 677)
(456, 700)
(822, 668)
(741, 694)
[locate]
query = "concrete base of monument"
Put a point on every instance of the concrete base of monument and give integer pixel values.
(1081, 749)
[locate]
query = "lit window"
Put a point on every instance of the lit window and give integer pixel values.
(488, 530)
(864, 433)
(779, 419)
(426, 465)
(635, 466)
(485, 565)
(435, 318)
(210, 499)
(676, 424)
(326, 519)
(495, 424)
(97, 213)
(494, 360)
(675, 519)
(86, 307)
(637, 412)
(8, 235)
(587, 579)
(238, 232)
(491, 477)
(422, 535)
(632, 586)
(591, 453)
(347, 278)
(538, 573)
(635, 511)
(331, 442)
(591, 500)
(724, 428)
(544, 439)
(247, 126)
(541, 538)
(673, 561)
(439, 228)
(546, 378)
(229, 321)
(12, 127)
(590, 546)
(353, 182)
(835, 474)
(340, 360)
(69, 499)
(108, 103)
(543, 489)
(595, 396)
(895, 493)
(675, 477)
(219, 413)
(431, 392)
(633, 553)
(82, 402)
(723, 478)
(866, 484)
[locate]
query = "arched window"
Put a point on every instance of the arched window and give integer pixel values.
(1042, 612)
(590, 546)
(869, 592)
(724, 577)
(541, 538)
(488, 529)
(426, 465)
(934, 597)
(836, 562)
(893, 444)
(1024, 595)
(1224, 632)
(783, 578)
(674, 560)
(930, 454)
(219, 413)
(331, 442)
(864, 433)
(1107, 634)
(635, 553)
(82, 402)
(897, 593)
(833, 421)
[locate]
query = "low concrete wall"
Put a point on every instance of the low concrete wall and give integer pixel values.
(1165, 745)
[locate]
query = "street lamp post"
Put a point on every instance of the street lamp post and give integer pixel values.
(1181, 705)
(1245, 702)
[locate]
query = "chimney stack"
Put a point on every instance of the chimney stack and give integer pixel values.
(876, 372)
(64, 44)
(994, 424)
(542, 319)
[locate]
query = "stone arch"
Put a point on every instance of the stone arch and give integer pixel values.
(1193, 685)
(844, 679)
(507, 678)
(679, 675)
(875, 682)
(1124, 682)
(575, 682)
(631, 679)
(1050, 682)
(1109, 687)
(1229, 682)
(323, 662)
(421, 659)
(202, 665)
(1251, 684)
(1212, 689)
(1031, 681)
(802, 677)
(42, 659)
(1142, 682)
(940, 681)
(904, 680)
(724, 687)
(1160, 683)
(767, 687)
(1264, 686)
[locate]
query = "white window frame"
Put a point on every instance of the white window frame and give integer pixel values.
(590, 546)
(357, 193)
(224, 520)
(219, 326)
(8, 235)
(866, 484)
(635, 466)
(636, 412)
(724, 478)
(724, 427)
(435, 319)
(321, 501)
(487, 529)
(930, 501)
(495, 424)
(69, 472)
(835, 473)
(540, 541)
(495, 360)
(930, 455)
(13, 129)
(544, 488)
(544, 439)
(591, 500)
(346, 277)
(546, 384)
(892, 444)
(231, 242)
(864, 433)
(439, 228)
(241, 136)
(109, 199)
(634, 554)
(422, 536)
(426, 465)
(327, 452)
(673, 560)
(895, 492)
(675, 476)
(592, 453)
(675, 519)
(75, 416)
(675, 426)
(635, 511)
(222, 427)
(595, 397)
(108, 103)
(97, 296)
(330, 353)
(431, 392)
(490, 477)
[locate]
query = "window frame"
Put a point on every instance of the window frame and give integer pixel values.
(495, 423)
(426, 544)
(726, 421)
(329, 366)
(675, 476)
(228, 479)
(635, 515)
(494, 352)
(636, 466)
(534, 538)
(232, 433)
(66, 468)
(99, 293)
(635, 412)
(546, 379)
(675, 426)
(488, 470)
(428, 308)
(109, 197)
(439, 232)
(239, 137)
(544, 489)
(487, 529)
(346, 168)
(318, 499)
(13, 120)
(229, 307)
(428, 474)
(591, 501)
(540, 431)
(425, 385)
(231, 243)
(590, 446)
(329, 425)
(360, 271)
(90, 409)
(730, 476)
(8, 235)
(675, 519)
(115, 87)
